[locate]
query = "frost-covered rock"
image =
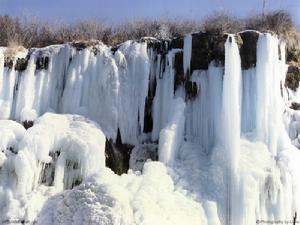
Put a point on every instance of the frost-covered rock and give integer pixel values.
(141, 154)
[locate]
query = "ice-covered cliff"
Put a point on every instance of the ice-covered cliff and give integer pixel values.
(213, 109)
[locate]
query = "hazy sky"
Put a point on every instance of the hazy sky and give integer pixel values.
(120, 10)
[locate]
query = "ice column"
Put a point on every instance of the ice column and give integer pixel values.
(231, 123)
(187, 53)
(269, 101)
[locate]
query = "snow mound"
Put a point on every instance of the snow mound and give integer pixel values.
(106, 198)
(57, 153)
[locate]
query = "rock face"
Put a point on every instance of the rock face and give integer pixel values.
(295, 106)
(293, 77)
(80, 45)
(21, 64)
(42, 63)
(248, 49)
(27, 124)
(191, 89)
(179, 73)
(117, 155)
(9, 63)
(207, 47)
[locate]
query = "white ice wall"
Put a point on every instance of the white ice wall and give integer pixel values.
(108, 88)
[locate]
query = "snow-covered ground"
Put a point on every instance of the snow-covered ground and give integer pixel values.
(226, 156)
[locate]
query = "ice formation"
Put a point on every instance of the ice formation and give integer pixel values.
(228, 154)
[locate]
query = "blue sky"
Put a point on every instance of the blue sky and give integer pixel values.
(115, 11)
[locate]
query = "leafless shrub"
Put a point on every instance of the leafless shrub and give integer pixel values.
(10, 29)
(12, 49)
(279, 22)
(221, 22)
(31, 33)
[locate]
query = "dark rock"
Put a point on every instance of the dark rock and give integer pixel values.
(248, 49)
(176, 43)
(21, 64)
(95, 50)
(279, 53)
(207, 47)
(27, 124)
(191, 89)
(8, 62)
(77, 182)
(293, 55)
(178, 67)
(148, 119)
(12, 150)
(159, 46)
(295, 106)
(292, 78)
(114, 48)
(80, 45)
(117, 155)
(48, 169)
(163, 61)
(42, 62)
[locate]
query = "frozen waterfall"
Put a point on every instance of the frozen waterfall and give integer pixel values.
(221, 133)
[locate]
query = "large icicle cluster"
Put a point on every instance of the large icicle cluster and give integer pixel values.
(221, 131)
(108, 88)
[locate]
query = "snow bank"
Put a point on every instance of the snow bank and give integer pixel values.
(148, 198)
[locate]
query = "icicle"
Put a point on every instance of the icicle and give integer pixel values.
(248, 120)
(269, 102)
(187, 54)
(7, 85)
(231, 110)
(231, 123)
(164, 95)
(203, 112)
(171, 137)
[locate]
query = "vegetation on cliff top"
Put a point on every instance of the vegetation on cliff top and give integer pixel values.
(29, 33)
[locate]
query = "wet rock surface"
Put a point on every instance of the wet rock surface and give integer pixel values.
(207, 47)
(191, 89)
(176, 43)
(80, 45)
(21, 64)
(292, 77)
(295, 106)
(8, 62)
(42, 62)
(179, 73)
(248, 49)
(27, 124)
(117, 155)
